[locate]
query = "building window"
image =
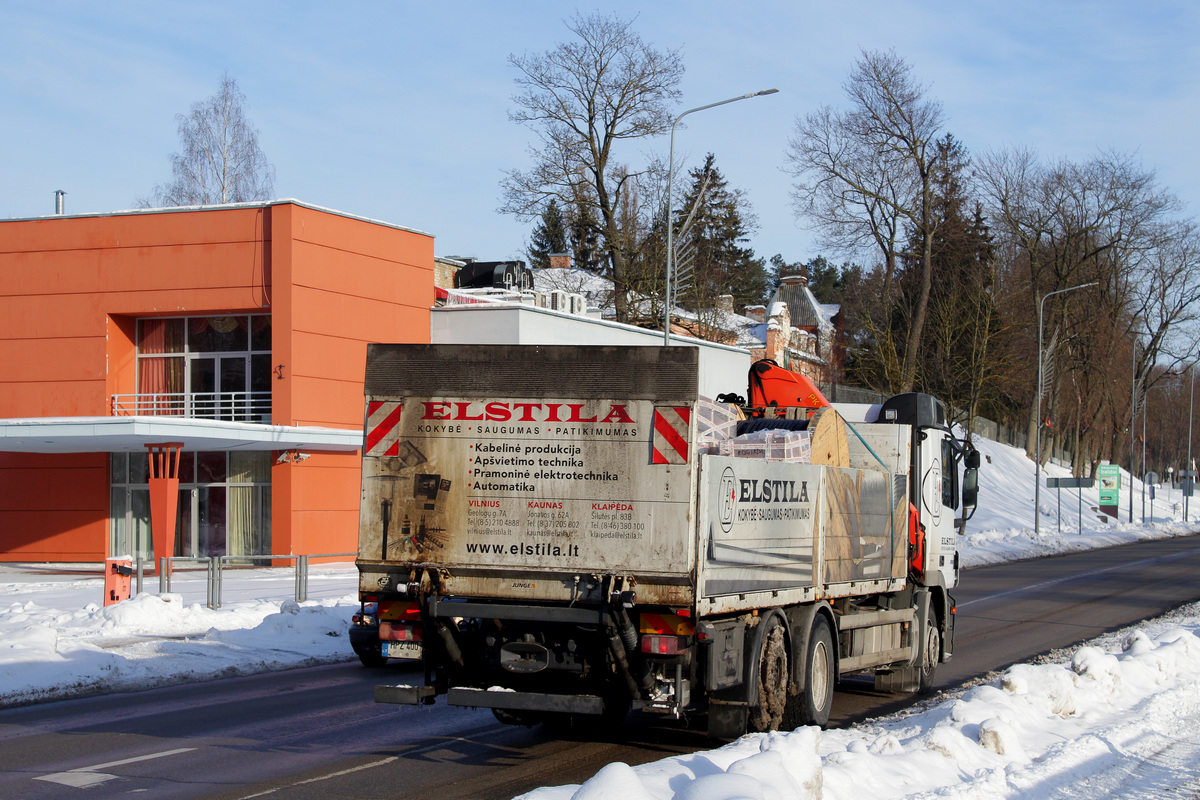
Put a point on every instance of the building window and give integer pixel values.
(224, 505)
(218, 367)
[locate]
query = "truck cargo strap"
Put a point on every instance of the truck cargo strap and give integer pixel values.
(524, 701)
(403, 695)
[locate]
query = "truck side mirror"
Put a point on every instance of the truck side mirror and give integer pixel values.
(970, 489)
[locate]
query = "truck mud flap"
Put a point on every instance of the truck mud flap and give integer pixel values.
(525, 701)
(403, 695)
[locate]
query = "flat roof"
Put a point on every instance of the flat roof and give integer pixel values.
(132, 434)
(128, 212)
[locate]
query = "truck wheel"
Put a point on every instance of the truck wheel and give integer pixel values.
(816, 701)
(772, 682)
(933, 655)
(918, 678)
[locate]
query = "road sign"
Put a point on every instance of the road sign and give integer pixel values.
(1069, 483)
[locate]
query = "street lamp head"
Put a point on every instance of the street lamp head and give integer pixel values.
(667, 293)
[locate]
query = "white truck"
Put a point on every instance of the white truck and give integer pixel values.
(563, 533)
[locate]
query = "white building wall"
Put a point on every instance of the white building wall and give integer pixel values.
(722, 368)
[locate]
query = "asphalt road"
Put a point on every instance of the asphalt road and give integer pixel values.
(314, 733)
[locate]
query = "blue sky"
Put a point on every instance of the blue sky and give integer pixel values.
(398, 111)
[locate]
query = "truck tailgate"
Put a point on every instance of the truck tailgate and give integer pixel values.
(510, 470)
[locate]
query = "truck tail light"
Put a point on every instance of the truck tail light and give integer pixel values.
(399, 632)
(659, 623)
(399, 611)
(656, 645)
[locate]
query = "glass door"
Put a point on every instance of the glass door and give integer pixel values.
(218, 387)
(130, 523)
(234, 398)
(202, 374)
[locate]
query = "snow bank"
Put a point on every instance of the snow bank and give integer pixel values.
(1002, 528)
(1084, 728)
(151, 640)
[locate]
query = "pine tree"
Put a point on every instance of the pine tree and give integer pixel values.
(721, 264)
(781, 269)
(958, 352)
(583, 234)
(550, 236)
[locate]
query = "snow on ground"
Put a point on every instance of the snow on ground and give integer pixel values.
(1002, 528)
(1118, 717)
(57, 640)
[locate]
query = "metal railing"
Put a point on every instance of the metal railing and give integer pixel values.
(166, 566)
(228, 406)
(215, 568)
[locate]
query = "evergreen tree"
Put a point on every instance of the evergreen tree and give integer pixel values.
(825, 280)
(781, 269)
(550, 236)
(959, 341)
(721, 264)
(584, 238)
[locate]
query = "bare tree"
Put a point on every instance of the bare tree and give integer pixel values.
(220, 161)
(1167, 299)
(1104, 220)
(864, 173)
(585, 98)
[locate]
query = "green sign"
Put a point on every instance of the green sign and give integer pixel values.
(1110, 484)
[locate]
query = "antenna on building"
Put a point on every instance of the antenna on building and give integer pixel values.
(58, 201)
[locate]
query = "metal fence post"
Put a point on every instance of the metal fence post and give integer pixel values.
(218, 577)
(139, 574)
(301, 578)
(164, 579)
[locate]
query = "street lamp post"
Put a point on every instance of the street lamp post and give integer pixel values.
(1037, 453)
(1133, 409)
(1145, 403)
(1188, 473)
(667, 294)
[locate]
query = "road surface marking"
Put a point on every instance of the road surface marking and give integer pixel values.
(320, 778)
(381, 762)
(82, 777)
(1076, 576)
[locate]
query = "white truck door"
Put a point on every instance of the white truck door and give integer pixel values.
(938, 474)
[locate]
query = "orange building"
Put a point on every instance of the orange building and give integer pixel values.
(237, 331)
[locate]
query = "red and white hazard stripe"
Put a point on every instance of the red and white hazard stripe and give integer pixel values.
(671, 434)
(383, 428)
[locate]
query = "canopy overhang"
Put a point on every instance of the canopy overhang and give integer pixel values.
(132, 434)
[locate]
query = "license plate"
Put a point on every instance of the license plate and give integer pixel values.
(402, 649)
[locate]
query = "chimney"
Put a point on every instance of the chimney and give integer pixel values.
(725, 303)
(58, 202)
(560, 260)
